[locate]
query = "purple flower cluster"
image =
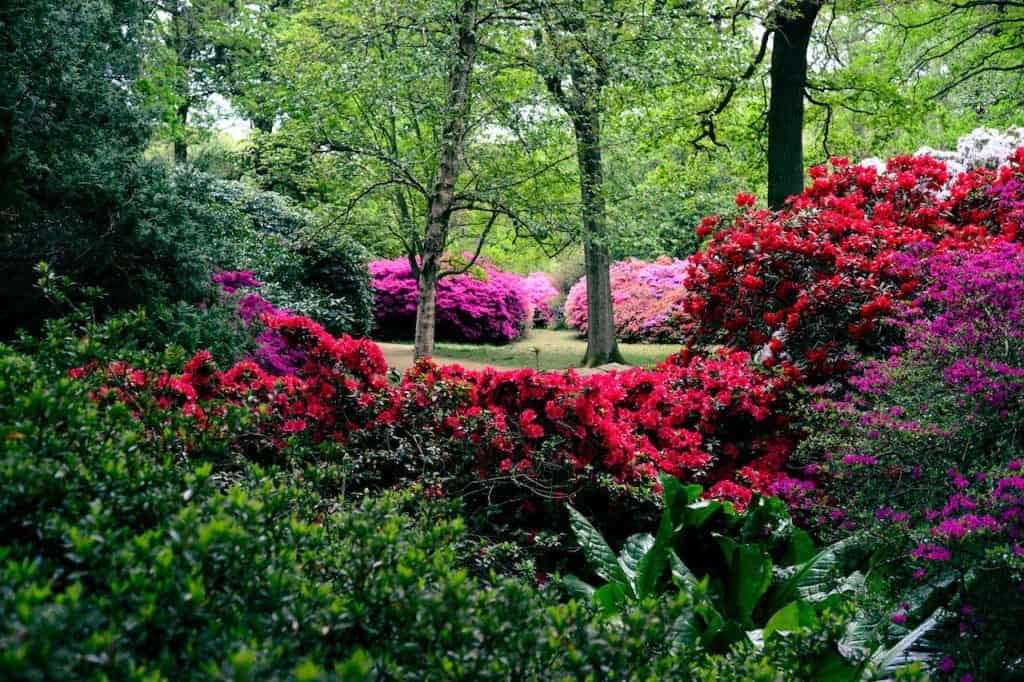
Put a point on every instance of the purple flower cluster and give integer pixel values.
(482, 305)
(950, 396)
(986, 510)
(232, 281)
(973, 301)
(272, 353)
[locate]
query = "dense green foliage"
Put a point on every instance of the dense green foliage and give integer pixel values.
(76, 193)
(304, 266)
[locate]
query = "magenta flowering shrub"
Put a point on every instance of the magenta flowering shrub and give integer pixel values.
(256, 314)
(918, 456)
(647, 299)
(542, 294)
(950, 397)
(483, 305)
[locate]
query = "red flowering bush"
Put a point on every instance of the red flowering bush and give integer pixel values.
(647, 299)
(711, 420)
(482, 305)
(707, 419)
(340, 389)
(813, 279)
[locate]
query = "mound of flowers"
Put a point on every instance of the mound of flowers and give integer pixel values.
(542, 293)
(709, 419)
(647, 299)
(713, 419)
(339, 389)
(481, 305)
(811, 281)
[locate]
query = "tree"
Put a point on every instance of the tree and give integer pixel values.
(787, 27)
(67, 138)
(187, 59)
(955, 43)
(77, 193)
(397, 109)
(581, 50)
(791, 34)
(576, 77)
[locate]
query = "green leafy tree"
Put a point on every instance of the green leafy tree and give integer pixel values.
(188, 59)
(415, 128)
(588, 54)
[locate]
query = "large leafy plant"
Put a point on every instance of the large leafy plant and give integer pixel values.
(749, 576)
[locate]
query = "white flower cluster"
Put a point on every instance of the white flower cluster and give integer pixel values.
(981, 147)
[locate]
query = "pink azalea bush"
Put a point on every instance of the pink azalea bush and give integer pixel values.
(647, 299)
(482, 305)
(541, 292)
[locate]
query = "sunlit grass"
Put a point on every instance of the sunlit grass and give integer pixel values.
(558, 349)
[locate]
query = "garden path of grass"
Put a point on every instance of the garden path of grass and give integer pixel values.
(559, 349)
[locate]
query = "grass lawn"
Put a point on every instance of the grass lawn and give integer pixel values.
(559, 349)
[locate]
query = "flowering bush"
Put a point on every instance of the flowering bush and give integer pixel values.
(982, 147)
(541, 292)
(482, 305)
(920, 455)
(809, 281)
(647, 299)
(706, 419)
(339, 389)
(955, 387)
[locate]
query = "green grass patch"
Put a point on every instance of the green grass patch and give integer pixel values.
(558, 349)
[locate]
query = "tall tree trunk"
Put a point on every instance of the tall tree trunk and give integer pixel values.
(602, 346)
(426, 308)
(792, 34)
(442, 195)
(180, 145)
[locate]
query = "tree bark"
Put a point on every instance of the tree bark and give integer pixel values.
(180, 145)
(602, 346)
(442, 194)
(426, 309)
(792, 34)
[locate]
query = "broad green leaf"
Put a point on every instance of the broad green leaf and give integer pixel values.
(832, 667)
(599, 555)
(684, 633)
(791, 617)
(579, 589)
(652, 565)
(698, 513)
(750, 574)
(812, 580)
(913, 647)
(633, 552)
(676, 496)
(800, 548)
(610, 598)
(681, 572)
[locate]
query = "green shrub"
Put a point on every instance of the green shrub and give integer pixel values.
(322, 276)
(158, 242)
(159, 335)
